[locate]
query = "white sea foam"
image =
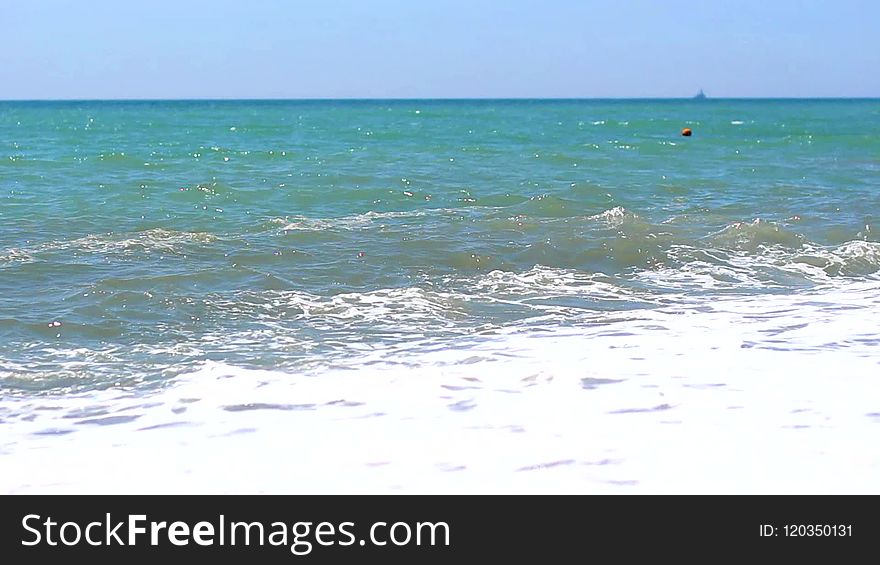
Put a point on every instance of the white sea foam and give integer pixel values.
(759, 394)
(613, 216)
(352, 222)
(763, 266)
(154, 240)
(16, 255)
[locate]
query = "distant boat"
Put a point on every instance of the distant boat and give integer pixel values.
(700, 96)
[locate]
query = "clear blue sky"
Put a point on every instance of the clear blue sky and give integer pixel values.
(442, 48)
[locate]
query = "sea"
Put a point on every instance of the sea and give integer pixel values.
(440, 296)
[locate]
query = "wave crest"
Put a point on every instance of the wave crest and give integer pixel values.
(750, 236)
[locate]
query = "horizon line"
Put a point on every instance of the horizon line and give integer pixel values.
(437, 99)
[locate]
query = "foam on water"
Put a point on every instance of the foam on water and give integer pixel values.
(149, 241)
(740, 394)
(354, 222)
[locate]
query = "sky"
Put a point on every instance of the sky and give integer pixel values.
(100, 49)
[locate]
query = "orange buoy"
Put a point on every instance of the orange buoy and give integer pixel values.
(686, 132)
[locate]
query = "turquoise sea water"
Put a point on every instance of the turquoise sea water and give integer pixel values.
(142, 243)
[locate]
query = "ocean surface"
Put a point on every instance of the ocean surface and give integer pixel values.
(440, 296)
